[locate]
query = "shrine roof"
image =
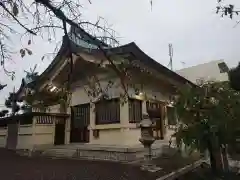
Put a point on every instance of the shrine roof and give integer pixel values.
(130, 48)
(80, 45)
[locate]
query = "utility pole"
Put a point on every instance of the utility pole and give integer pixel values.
(151, 2)
(170, 47)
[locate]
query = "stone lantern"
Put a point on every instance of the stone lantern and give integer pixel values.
(147, 140)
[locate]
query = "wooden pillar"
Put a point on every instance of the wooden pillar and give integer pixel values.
(124, 113)
(144, 107)
(12, 135)
(67, 130)
(34, 138)
(67, 126)
(92, 123)
(163, 120)
(54, 129)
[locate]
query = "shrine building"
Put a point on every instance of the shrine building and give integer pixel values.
(89, 118)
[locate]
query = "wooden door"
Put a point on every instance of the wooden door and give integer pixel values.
(59, 137)
(156, 112)
(80, 119)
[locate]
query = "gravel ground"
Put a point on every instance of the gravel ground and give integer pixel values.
(15, 167)
(170, 163)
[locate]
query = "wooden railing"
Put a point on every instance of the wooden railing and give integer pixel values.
(41, 118)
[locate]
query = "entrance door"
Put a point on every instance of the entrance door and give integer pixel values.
(59, 137)
(80, 118)
(156, 112)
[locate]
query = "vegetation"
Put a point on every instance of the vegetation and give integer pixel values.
(226, 9)
(12, 103)
(209, 115)
(3, 113)
(208, 120)
(229, 10)
(45, 18)
(234, 77)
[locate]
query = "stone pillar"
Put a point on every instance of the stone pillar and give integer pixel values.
(144, 110)
(92, 122)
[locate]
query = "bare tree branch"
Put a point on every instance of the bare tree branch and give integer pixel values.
(59, 13)
(45, 18)
(13, 16)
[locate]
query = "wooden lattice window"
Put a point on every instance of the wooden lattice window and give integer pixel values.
(45, 120)
(107, 111)
(81, 115)
(135, 110)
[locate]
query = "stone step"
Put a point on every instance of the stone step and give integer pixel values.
(104, 152)
(59, 153)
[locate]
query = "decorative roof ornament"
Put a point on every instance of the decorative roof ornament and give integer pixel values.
(86, 41)
(31, 75)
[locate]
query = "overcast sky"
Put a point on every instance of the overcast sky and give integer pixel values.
(198, 35)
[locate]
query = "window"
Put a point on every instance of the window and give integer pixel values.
(171, 115)
(81, 115)
(107, 111)
(223, 67)
(135, 110)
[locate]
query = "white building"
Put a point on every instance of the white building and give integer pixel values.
(213, 70)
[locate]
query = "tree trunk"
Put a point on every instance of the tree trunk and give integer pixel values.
(225, 158)
(212, 158)
(215, 157)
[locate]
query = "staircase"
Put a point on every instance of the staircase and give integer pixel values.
(101, 152)
(59, 152)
